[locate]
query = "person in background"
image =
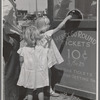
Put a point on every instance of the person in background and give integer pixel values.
(11, 41)
(63, 8)
(93, 8)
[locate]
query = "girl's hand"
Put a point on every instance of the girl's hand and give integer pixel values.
(21, 59)
(62, 24)
(69, 16)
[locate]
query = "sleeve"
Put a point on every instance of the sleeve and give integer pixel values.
(49, 33)
(20, 52)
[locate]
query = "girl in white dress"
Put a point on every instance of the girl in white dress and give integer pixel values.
(43, 24)
(34, 62)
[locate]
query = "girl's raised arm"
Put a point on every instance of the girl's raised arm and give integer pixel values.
(61, 24)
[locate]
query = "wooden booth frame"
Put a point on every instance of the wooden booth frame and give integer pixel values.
(86, 24)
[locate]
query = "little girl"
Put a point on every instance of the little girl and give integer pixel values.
(34, 62)
(55, 57)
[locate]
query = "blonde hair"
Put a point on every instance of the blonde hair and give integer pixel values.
(41, 22)
(31, 31)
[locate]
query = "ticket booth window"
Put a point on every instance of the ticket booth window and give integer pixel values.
(62, 7)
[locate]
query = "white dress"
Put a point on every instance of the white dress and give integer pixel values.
(34, 70)
(54, 55)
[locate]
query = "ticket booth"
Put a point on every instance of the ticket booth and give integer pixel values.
(77, 74)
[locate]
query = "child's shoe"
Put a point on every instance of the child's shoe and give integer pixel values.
(54, 94)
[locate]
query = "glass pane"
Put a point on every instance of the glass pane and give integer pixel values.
(87, 7)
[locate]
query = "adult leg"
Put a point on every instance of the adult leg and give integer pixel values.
(12, 68)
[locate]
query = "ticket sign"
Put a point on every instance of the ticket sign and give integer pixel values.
(79, 66)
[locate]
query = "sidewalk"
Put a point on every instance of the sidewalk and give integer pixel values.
(62, 97)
